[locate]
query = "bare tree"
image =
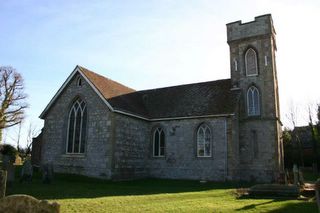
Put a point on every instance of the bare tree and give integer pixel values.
(292, 116)
(33, 132)
(12, 98)
(15, 135)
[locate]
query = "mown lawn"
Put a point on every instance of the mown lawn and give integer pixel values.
(82, 194)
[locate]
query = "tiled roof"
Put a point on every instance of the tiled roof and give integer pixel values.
(199, 99)
(107, 87)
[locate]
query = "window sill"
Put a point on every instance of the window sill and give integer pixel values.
(158, 157)
(252, 75)
(70, 155)
(205, 157)
(252, 117)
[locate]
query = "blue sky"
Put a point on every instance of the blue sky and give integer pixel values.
(148, 44)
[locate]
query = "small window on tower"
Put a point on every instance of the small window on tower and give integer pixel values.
(253, 101)
(251, 62)
(235, 64)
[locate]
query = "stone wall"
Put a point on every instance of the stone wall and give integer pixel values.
(131, 147)
(181, 161)
(36, 150)
(233, 147)
(258, 162)
(97, 158)
(133, 150)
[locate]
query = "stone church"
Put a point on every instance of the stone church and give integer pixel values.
(218, 130)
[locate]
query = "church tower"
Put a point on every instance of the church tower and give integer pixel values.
(254, 74)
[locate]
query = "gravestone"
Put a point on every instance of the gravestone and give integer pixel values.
(3, 183)
(27, 204)
(47, 173)
(7, 165)
(278, 190)
(27, 171)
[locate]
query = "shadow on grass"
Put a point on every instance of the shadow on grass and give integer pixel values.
(253, 206)
(299, 206)
(66, 186)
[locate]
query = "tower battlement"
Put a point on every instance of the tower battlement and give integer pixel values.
(262, 25)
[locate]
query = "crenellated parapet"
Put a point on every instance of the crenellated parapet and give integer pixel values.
(262, 25)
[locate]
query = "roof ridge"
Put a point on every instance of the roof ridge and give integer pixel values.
(181, 85)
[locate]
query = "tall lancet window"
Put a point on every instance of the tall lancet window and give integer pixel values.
(253, 101)
(158, 142)
(204, 141)
(77, 125)
(251, 62)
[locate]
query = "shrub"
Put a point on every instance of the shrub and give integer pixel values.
(8, 149)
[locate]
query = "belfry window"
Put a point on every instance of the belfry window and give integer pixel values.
(77, 124)
(251, 62)
(204, 141)
(158, 142)
(253, 101)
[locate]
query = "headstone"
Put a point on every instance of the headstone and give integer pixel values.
(9, 167)
(295, 175)
(47, 173)
(27, 204)
(27, 171)
(317, 187)
(3, 183)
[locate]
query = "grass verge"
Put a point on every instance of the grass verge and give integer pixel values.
(82, 194)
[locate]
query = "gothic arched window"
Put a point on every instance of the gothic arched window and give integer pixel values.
(158, 142)
(253, 101)
(204, 141)
(79, 82)
(251, 62)
(77, 125)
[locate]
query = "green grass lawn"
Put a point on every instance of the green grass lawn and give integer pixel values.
(82, 194)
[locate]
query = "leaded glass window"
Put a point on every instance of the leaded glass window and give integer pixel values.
(77, 125)
(158, 142)
(204, 141)
(253, 101)
(251, 62)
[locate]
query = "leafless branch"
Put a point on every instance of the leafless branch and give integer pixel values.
(12, 97)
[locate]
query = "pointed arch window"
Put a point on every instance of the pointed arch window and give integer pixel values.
(77, 125)
(253, 101)
(158, 142)
(204, 141)
(251, 62)
(79, 82)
